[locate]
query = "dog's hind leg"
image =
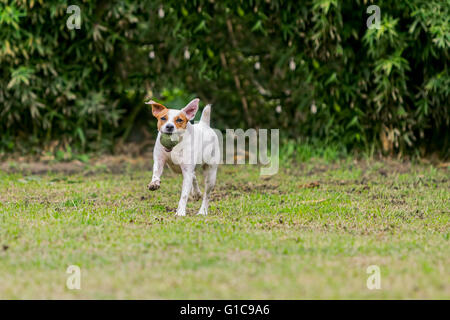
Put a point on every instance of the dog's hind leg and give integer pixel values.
(210, 181)
(196, 193)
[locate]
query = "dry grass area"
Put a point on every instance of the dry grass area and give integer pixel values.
(310, 232)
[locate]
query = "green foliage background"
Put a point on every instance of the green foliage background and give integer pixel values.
(334, 80)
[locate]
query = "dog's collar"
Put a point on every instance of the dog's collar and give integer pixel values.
(167, 149)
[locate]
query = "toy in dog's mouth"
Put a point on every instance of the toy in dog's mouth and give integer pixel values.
(169, 140)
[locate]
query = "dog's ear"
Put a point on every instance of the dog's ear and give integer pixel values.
(157, 108)
(191, 109)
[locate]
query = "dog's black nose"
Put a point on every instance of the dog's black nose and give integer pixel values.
(170, 127)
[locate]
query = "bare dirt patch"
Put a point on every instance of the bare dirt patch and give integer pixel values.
(106, 163)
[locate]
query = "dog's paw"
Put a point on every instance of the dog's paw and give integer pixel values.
(180, 213)
(154, 185)
(203, 211)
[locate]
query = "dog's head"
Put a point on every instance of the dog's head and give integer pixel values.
(172, 120)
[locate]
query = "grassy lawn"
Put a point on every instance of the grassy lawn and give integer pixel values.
(309, 232)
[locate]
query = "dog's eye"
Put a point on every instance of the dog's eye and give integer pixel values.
(163, 118)
(179, 120)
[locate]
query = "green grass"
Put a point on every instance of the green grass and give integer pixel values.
(274, 238)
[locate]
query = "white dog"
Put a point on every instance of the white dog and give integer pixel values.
(197, 144)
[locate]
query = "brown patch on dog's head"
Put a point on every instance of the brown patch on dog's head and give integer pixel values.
(181, 121)
(162, 117)
(159, 111)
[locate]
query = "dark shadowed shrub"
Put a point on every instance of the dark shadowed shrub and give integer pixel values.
(311, 68)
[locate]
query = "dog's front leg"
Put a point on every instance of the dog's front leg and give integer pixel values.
(188, 176)
(158, 167)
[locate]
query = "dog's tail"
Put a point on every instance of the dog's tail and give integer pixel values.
(206, 115)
